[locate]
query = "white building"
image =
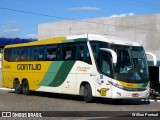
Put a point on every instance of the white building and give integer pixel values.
(144, 29)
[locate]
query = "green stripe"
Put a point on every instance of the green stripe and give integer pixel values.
(51, 73)
(62, 73)
(143, 84)
(67, 41)
(75, 40)
(57, 73)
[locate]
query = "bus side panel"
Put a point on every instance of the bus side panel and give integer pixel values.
(86, 73)
(7, 75)
(58, 77)
(24, 71)
(7, 80)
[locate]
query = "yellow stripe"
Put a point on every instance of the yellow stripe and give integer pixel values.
(129, 85)
(40, 42)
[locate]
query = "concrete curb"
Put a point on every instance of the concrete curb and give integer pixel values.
(6, 89)
(154, 100)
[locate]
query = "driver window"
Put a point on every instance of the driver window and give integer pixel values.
(105, 65)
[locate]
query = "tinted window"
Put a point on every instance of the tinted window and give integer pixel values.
(59, 52)
(7, 53)
(106, 65)
(67, 52)
(82, 53)
(64, 51)
(96, 45)
(17, 54)
(41, 53)
(51, 52)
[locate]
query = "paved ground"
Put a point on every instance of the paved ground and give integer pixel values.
(0, 77)
(57, 102)
(9, 101)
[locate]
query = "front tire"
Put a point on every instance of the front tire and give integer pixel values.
(25, 87)
(87, 93)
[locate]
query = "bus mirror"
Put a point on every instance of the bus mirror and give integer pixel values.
(113, 53)
(153, 56)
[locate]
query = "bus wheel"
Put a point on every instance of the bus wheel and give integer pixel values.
(25, 87)
(87, 93)
(17, 87)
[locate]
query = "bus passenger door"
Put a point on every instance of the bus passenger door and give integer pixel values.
(105, 68)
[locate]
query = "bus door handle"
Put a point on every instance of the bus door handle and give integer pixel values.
(92, 75)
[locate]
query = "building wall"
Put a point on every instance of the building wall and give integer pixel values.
(144, 29)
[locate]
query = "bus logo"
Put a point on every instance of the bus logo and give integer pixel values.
(103, 91)
(29, 67)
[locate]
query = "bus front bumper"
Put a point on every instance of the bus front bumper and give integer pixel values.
(118, 93)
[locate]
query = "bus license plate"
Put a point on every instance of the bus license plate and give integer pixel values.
(135, 95)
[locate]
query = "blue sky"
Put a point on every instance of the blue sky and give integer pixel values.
(24, 25)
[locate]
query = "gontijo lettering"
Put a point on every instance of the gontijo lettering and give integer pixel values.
(29, 67)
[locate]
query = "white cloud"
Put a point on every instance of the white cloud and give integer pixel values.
(33, 36)
(122, 15)
(19, 2)
(84, 9)
(9, 29)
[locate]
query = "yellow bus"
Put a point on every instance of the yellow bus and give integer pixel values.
(89, 65)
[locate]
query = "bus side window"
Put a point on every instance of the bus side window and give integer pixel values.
(15, 54)
(82, 53)
(85, 56)
(95, 48)
(77, 52)
(59, 52)
(106, 64)
(36, 53)
(23, 54)
(32, 53)
(18, 52)
(29, 50)
(67, 51)
(54, 53)
(12, 56)
(41, 53)
(7, 53)
(51, 52)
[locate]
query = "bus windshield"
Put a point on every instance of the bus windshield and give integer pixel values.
(131, 64)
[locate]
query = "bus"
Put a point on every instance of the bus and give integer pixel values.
(88, 65)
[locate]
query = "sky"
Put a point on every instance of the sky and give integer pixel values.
(20, 18)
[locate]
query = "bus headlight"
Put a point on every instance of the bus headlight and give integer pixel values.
(116, 85)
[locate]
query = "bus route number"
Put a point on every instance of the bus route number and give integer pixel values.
(103, 91)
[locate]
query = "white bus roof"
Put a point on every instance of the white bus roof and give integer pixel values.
(107, 38)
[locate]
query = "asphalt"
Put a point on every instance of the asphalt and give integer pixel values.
(0, 77)
(60, 106)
